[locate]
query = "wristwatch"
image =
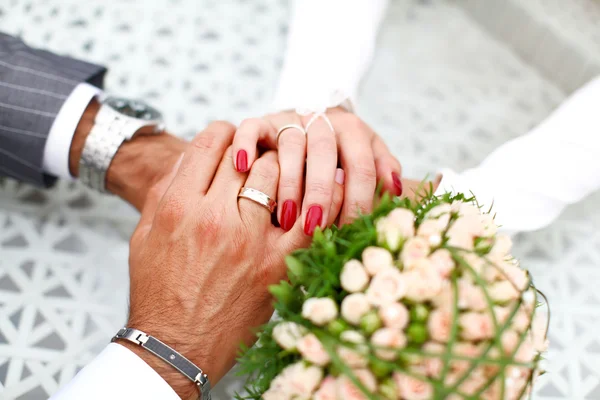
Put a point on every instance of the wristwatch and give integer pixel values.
(118, 120)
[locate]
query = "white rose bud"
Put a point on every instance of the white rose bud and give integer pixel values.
(319, 311)
(386, 287)
(410, 388)
(376, 258)
(431, 230)
(313, 351)
(287, 334)
(414, 249)
(404, 220)
(354, 277)
(394, 315)
(304, 380)
(387, 341)
(355, 357)
(348, 391)
(398, 225)
(502, 246)
(476, 326)
(442, 212)
(354, 306)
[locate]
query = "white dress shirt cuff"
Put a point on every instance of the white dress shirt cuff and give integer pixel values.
(329, 48)
(116, 373)
(58, 144)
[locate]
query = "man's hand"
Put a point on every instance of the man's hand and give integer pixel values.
(138, 165)
(201, 259)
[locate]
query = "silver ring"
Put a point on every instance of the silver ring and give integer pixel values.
(317, 116)
(290, 126)
(258, 197)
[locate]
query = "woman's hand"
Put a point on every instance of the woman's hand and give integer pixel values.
(201, 259)
(362, 155)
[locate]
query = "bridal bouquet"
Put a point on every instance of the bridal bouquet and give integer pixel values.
(420, 300)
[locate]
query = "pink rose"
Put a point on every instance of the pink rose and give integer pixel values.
(501, 313)
(303, 380)
(410, 388)
(489, 225)
(510, 341)
(354, 306)
(386, 287)
(445, 298)
(464, 349)
(439, 324)
(502, 246)
(393, 229)
(539, 331)
(465, 209)
(503, 291)
(471, 297)
(327, 390)
(313, 351)
(521, 320)
(432, 230)
(434, 365)
(319, 311)
(515, 275)
(356, 356)
(387, 341)
(394, 315)
(526, 352)
(422, 284)
(404, 220)
(476, 326)
(414, 249)
(348, 391)
(472, 384)
(376, 258)
(442, 213)
(354, 277)
(442, 261)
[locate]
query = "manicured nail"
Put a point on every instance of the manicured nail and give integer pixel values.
(288, 215)
(241, 161)
(313, 219)
(397, 183)
(340, 176)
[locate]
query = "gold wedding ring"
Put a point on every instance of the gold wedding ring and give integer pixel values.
(290, 126)
(258, 197)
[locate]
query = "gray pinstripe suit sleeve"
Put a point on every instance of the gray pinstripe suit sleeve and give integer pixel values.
(34, 84)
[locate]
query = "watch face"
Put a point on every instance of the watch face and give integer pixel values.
(133, 108)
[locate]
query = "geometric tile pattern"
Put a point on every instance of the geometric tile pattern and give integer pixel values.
(442, 92)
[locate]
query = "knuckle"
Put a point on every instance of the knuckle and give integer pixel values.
(323, 146)
(359, 206)
(293, 140)
(353, 123)
(291, 182)
(221, 126)
(171, 213)
(205, 140)
(363, 171)
(320, 190)
(210, 223)
(251, 123)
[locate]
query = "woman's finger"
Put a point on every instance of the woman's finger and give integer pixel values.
(389, 169)
(338, 196)
(249, 134)
(292, 156)
(263, 177)
(361, 177)
(202, 158)
(320, 174)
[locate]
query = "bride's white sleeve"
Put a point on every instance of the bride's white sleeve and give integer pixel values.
(116, 373)
(329, 48)
(531, 179)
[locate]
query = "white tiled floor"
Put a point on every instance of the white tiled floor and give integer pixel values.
(442, 92)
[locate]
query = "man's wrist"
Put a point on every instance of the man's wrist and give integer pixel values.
(137, 165)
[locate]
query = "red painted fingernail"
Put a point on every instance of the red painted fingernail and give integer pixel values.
(288, 215)
(313, 219)
(397, 183)
(241, 161)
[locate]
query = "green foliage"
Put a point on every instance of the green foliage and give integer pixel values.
(315, 272)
